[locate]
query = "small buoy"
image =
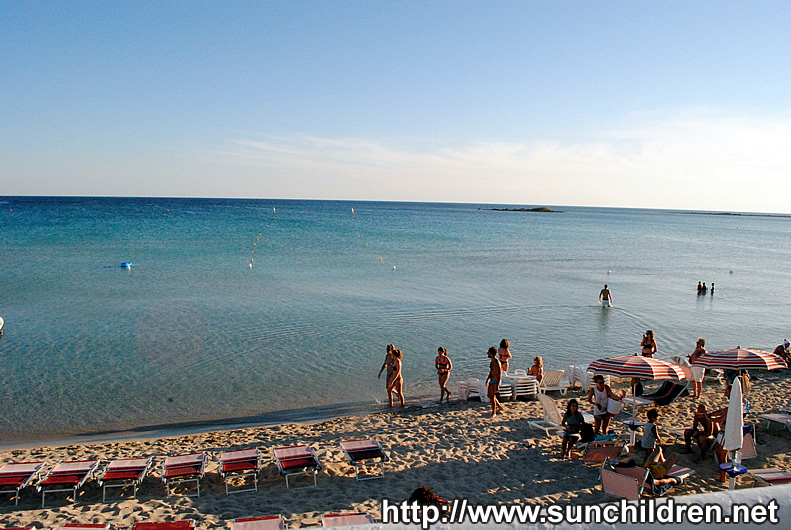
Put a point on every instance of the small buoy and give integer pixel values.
(254, 244)
(380, 259)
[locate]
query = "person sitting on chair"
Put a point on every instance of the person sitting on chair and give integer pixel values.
(572, 421)
(702, 431)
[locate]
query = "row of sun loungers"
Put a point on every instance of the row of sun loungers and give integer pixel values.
(267, 522)
(184, 469)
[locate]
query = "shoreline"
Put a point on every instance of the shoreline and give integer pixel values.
(298, 416)
(455, 449)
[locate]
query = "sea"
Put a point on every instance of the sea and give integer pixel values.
(238, 312)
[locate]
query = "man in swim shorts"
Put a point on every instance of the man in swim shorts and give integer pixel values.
(605, 298)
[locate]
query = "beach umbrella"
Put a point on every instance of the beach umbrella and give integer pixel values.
(741, 359)
(638, 366)
(734, 426)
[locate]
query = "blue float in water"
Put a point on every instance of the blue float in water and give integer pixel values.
(126, 265)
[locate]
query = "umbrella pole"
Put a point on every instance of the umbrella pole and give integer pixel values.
(737, 460)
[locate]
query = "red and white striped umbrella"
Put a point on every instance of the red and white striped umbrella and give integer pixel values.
(637, 366)
(741, 359)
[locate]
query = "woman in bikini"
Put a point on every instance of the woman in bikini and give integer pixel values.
(648, 344)
(397, 383)
(444, 366)
(504, 354)
(493, 381)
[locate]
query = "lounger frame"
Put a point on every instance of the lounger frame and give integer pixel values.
(302, 457)
(183, 469)
(365, 453)
(184, 524)
(15, 477)
(266, 522)
(240, 464)
(329, 520)
(74, 474)
(123, 473)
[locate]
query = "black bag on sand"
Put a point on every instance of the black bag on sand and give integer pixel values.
(586, 433)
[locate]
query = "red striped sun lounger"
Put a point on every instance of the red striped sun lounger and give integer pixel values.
(180, 469)
(267, 522)
(15, 477)
(124, 472)
(365, 453)
(346, 519)
(80, 526)
(297, 460)
(239, 464)
(67, 476)
(185, 524)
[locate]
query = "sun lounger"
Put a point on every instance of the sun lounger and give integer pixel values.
(598, 452)
(184, 524)
(124, 472)
(769, 476)
(624, 485)
(267, 522)
(81, 526)
(553, 381)
(365, 453)
(297, 460)
(780, 419)
(66, 476)
(346, 519)
(524, 385)
(240, 464)
(552, 417)
(181, 469)
(15, 477)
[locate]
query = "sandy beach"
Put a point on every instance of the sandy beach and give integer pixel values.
(456, 449)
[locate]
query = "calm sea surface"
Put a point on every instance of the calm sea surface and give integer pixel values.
(191, 335)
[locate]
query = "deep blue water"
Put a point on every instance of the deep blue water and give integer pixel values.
(191, 333)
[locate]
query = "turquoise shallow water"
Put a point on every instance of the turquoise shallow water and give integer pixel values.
(192, 334)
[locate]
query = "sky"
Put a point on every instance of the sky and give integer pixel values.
(646, 104)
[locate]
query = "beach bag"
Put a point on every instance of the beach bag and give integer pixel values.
(614, 407)
(587, 434)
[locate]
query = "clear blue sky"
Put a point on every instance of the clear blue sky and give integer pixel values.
(634, 104)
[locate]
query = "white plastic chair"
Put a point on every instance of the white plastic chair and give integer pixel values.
(553, 381)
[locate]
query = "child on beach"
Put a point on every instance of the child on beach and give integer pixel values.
(651, 441)
(504, 353)
(493, 381)
(444, 366)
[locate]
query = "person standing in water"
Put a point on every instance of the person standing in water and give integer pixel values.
(386, 364)
(395, 381)
(444, 366)
(605, 298)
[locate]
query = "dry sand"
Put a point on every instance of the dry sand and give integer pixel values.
(455, 449)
